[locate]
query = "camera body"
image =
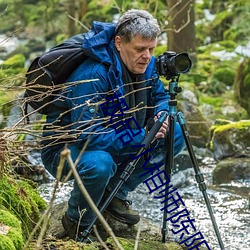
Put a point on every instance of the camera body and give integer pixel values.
(171, 65)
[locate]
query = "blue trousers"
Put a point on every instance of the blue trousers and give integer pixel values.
(99, 170)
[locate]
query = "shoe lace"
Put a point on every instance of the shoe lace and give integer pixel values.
(127, 203)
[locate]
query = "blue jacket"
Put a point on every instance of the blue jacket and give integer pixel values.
(85, 118)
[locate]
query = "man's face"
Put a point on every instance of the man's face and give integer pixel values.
(137, 53)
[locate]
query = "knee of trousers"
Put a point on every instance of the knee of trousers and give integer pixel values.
(98, 165)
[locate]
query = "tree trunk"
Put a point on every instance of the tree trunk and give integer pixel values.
(181, 27)
(71, 6)
(83, 7)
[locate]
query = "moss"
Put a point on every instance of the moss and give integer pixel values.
(220, 24)
(219, 103)
(6, 243)
(21, 199)
(16, 237)
(16, 61)
(65, 245)
(13, 239)
(225, 75)
(92, 246)
(214, 101)
(229, 45)
(128, 244)
(13, 71)
(9, 219)
(221, 132)
(235, 125)
(221, 122)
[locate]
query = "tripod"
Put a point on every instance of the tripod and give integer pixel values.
(173, 90)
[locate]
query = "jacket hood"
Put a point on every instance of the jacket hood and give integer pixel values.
(98, 43)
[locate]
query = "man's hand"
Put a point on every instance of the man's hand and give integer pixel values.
(164, 128)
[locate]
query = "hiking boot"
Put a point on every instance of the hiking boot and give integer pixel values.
(121, 211)
(75, 231)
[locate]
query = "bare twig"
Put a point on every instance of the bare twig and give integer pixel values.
(99, 238)
(67, 155)
(137, 236)
(77, 21)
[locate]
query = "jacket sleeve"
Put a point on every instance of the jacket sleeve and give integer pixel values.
(88, 121)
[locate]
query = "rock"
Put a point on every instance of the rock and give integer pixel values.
(232, 139)
(149, 237)
(231, 169)
(121, 230)
(230, 143)
(197, 125)
(228, 110)
(190, 96)
(183, 160)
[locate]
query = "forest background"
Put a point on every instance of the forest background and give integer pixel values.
(214, 33)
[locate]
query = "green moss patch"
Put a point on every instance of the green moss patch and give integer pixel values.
(231, 134)
(128, 244)
(10, 231)
(22, 200)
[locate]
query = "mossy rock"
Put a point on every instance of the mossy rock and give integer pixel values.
(11, 237)
(128, 244)
(232, 139)
(21, 199)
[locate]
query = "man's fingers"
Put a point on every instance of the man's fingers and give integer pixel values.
(159, 135)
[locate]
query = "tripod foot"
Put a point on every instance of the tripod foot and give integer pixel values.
(164, 233)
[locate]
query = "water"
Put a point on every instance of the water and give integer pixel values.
(230, 204)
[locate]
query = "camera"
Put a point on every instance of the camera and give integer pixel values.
(171, 65)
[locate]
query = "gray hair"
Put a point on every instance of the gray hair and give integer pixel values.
(137, 22)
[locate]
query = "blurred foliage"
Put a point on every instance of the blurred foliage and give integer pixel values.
(242, 84)
(221, 27)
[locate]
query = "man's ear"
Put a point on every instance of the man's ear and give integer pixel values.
(118, 42)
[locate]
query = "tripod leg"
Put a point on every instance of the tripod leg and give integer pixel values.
(199, 177)
(168, 169)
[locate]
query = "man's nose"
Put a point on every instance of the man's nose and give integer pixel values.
(146, 54)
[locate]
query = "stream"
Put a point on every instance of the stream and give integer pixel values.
(230, 204)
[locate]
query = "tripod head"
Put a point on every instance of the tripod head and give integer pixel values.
(174, 89)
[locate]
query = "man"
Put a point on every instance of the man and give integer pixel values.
(109, 114)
